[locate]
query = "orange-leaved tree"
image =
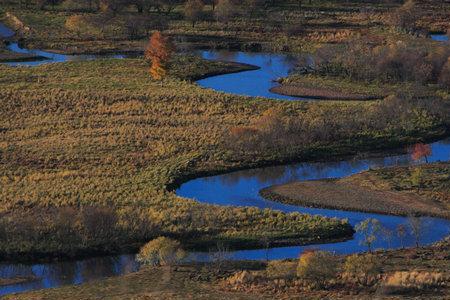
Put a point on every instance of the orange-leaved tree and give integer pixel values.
(159, 50)
(420, 151)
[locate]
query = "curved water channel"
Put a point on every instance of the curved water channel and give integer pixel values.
(239, 188)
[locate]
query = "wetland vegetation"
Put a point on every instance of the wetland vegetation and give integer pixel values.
(92, 151)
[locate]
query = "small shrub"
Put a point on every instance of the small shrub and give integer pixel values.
(160, 252)
(361, 269)
(317, 266)
(243, 277)
(421, 151)
(417, 177)
(405, 17)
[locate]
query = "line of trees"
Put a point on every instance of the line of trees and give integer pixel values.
(221, 8)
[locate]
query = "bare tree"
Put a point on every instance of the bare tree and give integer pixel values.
(193, 11)
(388, 235)
(369, 228)
(417, 228)
(401, 232)
(219, 255)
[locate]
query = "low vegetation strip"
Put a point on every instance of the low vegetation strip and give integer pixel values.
(9, 56)
(318, 93)
(385, 191)
(362, 276)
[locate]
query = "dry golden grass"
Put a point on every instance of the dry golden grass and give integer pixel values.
(103, 134)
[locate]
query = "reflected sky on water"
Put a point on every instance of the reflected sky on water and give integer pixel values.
(242, 188)
(256, 83)
(439, 37)
(55, 274)
(49, 57)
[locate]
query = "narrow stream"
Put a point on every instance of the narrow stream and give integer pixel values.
(255, 83)
(236, 188)
(45, 57)
(439, 37)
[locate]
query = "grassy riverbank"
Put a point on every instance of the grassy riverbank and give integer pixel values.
(103, 136)
(395, 190)
(9, 56)
(329, 88)
(207, 281)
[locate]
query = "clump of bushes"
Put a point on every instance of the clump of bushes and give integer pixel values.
(286, 131)
(405, 17)
(161, 251)
(317, 267)
(361, 269)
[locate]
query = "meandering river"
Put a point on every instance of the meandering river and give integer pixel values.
(236, 188)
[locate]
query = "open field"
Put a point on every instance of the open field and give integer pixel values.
(386, 191)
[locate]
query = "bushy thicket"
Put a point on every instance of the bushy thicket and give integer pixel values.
(394, 116)
(395, 62)
(160, 252)
(318, 267)
(362, 269)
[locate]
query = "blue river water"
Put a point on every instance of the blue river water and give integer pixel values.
(242, 188)
(255, 83)
(439, 37)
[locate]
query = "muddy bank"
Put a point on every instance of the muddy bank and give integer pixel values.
(361, 192)
(320, 93)
(9, 56)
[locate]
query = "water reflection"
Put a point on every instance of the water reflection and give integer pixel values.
(242, 189)
(256, 83)
(237, 188)
(62, 273)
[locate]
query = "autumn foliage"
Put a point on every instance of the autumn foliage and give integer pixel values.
(159, 52)
(420, 151)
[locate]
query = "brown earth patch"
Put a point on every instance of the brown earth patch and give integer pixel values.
(351, 194)
(320, 93)
(9, 56)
